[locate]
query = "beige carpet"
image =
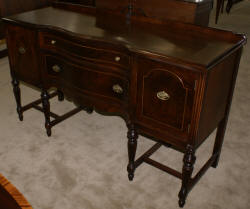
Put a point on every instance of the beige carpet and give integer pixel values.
(83, 165)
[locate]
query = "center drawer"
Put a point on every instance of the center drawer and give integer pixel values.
(84, 78)
(86, 50)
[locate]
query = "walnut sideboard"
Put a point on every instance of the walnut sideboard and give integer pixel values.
(170, 81)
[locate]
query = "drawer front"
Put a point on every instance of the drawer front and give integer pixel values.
(85, 50)
(86, 79)
(165, 96)
(23, 55)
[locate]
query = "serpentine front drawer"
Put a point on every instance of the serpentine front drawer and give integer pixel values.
(86, 78)
(88, 50)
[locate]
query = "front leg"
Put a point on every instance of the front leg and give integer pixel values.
(187, 170)
(17, 93)
(132, 145)
(46, 109)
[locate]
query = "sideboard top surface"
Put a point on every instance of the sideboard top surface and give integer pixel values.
(188, 43)
(195, 1)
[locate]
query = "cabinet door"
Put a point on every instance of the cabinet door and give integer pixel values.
(165, 96)
(23, 54)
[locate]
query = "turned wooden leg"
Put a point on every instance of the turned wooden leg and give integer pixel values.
(60, 95)
(46, 108)
(17, 93)
(187, 170)
(132, 145)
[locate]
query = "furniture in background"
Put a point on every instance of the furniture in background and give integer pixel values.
(189, 11)
(230, 3)
(10, 197)
(175, 89)
(10, 7)
(220, 7)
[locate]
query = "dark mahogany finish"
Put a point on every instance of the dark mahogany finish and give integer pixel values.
(172, 88)
(10, 7)
(189, 11)
(16, 6)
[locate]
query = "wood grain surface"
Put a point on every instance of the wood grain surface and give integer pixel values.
(10, 197)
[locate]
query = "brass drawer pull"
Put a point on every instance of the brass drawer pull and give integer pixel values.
(162, 95)
(56, 68)
(117, 59)
(53, 42)
(117, 89)
(22, 50)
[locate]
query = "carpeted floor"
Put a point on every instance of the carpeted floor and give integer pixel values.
(83, 164)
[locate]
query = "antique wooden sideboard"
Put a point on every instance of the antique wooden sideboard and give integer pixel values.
(170, 81)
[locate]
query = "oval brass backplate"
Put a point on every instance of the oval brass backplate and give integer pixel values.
(53, 42)
(117, 89)
(162, 95)
(56, 68)
(117, 59)
(22, 50)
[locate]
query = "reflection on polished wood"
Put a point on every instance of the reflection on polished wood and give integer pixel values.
(10, 197)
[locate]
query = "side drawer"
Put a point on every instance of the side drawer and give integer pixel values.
(85, 50)
(84, 78)
(23, 54)
(165, 97)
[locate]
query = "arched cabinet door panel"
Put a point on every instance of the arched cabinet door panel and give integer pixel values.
(165, 96)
